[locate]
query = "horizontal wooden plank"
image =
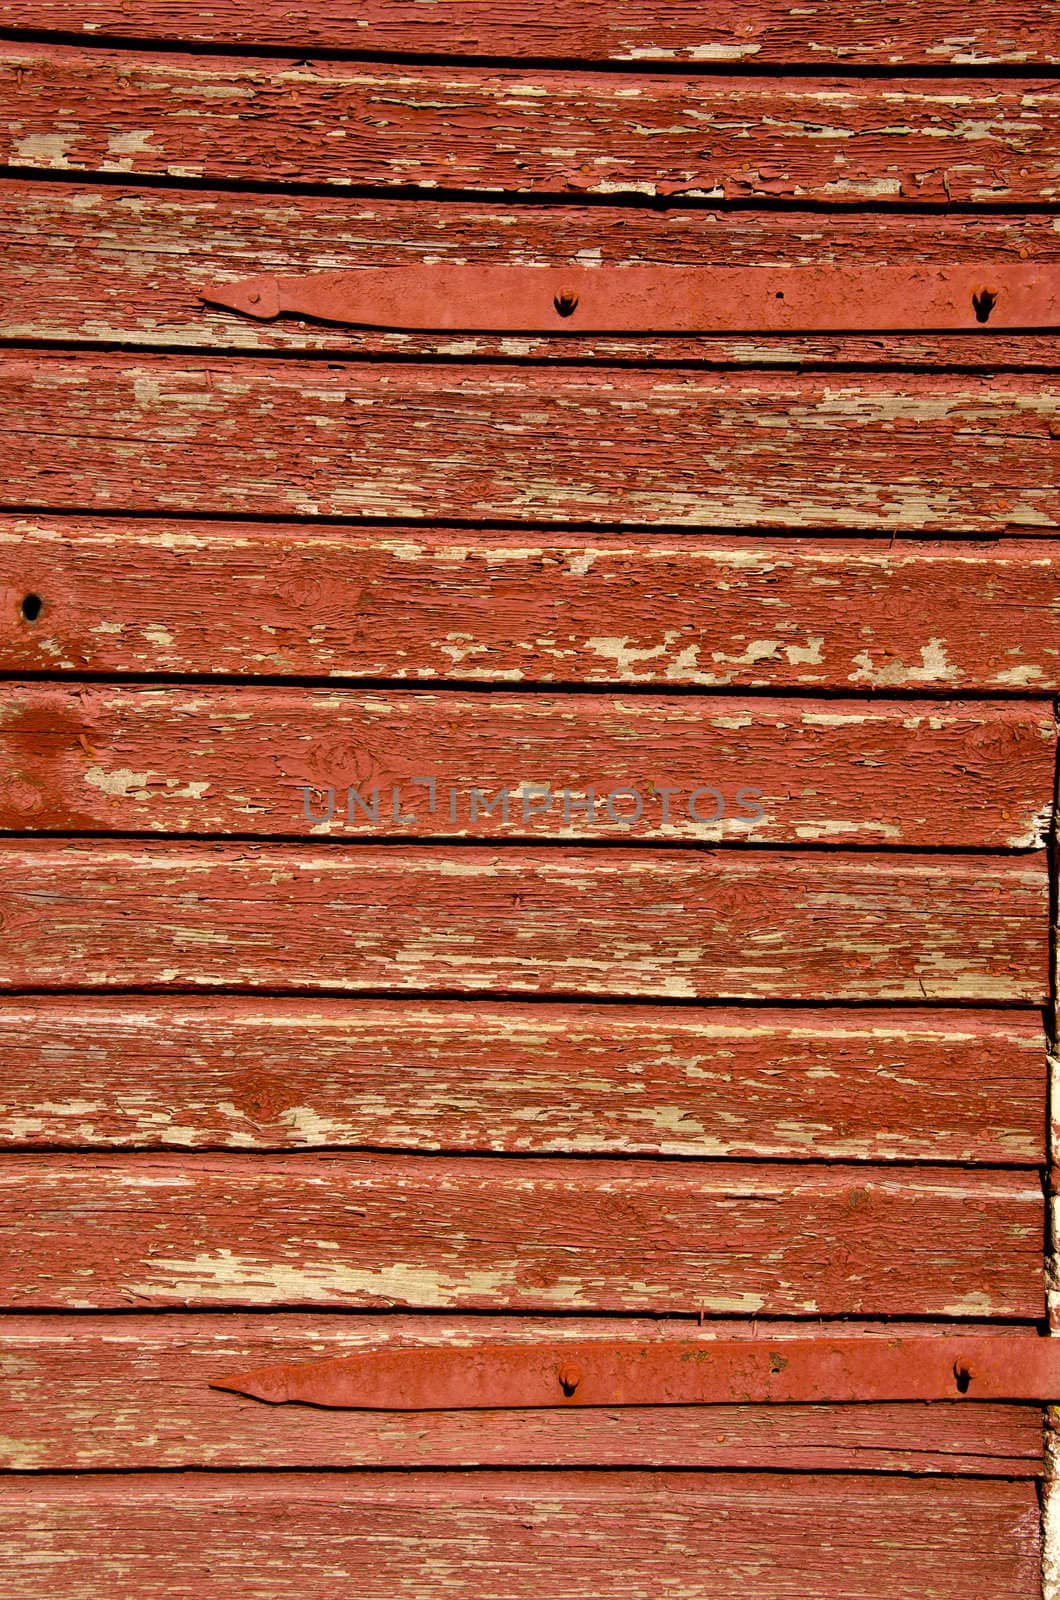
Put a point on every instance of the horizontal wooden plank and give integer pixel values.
(84, 1393)
(503, 1536)
(227, 598)
(232, 761)
(125, 265)
(487, 1233)
(526, 131)
(681, 924)
(939, 32)
(274, 1074)
(725, 450)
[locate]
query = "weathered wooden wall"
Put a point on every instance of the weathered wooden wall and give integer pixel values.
(275, 1086)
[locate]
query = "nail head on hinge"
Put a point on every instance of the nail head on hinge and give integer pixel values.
(983, 302)
(962, 1376)
(569, 1379)
(566, 303)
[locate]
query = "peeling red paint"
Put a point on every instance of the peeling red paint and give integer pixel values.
(500, 512)
(120, 262)
(106, 1394)
(242, 1073)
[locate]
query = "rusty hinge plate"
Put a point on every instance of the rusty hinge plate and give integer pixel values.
(661, 300)
(667, 1373)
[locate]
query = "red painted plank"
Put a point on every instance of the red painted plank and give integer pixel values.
(571, 133)
(275, 1074)
(936, 33)
(509, 607)
(514, 1536)
(486, 1233)
(684, 924)
(724, 450)
(85, 262)
(123, 1393)
(384, 764)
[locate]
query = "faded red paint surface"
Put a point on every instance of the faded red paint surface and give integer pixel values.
(502, 1535)
(937, 33)
(111, 1393)
(125, 263)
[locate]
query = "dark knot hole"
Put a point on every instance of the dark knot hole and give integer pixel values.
(32, 606)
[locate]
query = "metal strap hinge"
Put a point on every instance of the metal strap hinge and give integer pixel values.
(668, 1373)
(661, 300)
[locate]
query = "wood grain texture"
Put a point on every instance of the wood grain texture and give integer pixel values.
(680, 924)
(84, 262)
(873, 452)
(123, 1393)
(570, 133)
(937, 33)
(237, 761)
(511, 1536)
(274, 1074)
(494, 1234)
(260, 599)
